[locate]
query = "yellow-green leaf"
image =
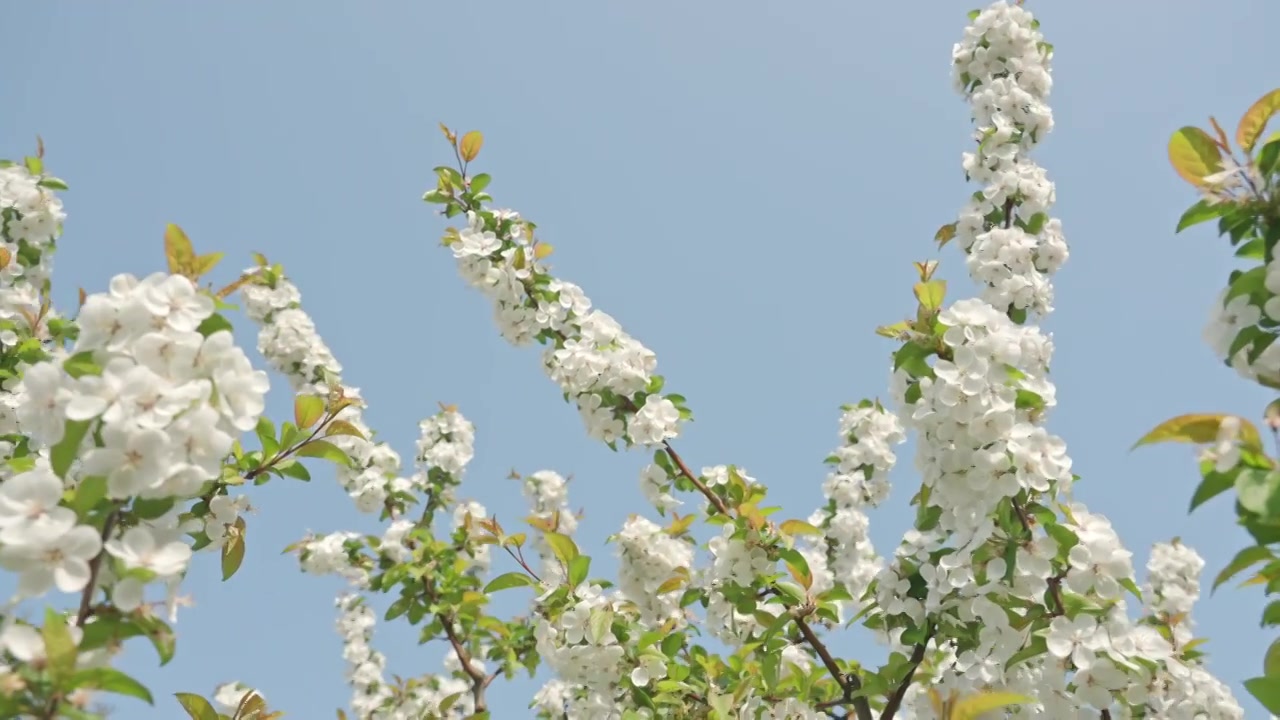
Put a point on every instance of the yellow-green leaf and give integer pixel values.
(197, 707)
(1255, 119)
(1199, 429)
(178, 250)
(798, 527)
(1194, 154)
(59, 647)
(469, 148)
(342, 427)
(893, 331)
(251, 707)
(670, 584)
(204, 264)
(930, 294)
(233, 550)
(307, 410)
(945, 234)
(972, 707)
(542, 251)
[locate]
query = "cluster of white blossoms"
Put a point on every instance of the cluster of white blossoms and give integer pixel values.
(995, 482)
(1002, 66)
(31, 218)
(156, 423)
(649, 558)
(289, 341)
(597, 364)
(980, 441)
(1237, 312)
(582, 651)
(859, 480)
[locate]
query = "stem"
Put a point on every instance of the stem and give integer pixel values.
(95, 566)
(917, 657)
(86, 602)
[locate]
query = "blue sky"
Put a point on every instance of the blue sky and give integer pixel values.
(742, 184)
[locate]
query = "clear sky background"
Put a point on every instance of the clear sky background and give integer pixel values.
(742, 184)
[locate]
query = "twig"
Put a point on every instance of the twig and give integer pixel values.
(479, 681)
(917, 657)
(715, 500)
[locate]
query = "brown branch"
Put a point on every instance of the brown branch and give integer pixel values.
(95, 566)
(479, 681)
(716, 501)
(917, 657)
(849, 684)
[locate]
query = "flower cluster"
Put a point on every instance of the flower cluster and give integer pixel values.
(1245, 321)
(151, 405)
(1002, 65)
(288, 339)
(31, 218)
(650, 557)
(605, 371)
(859, 480)
(996, 530)
(580, 646)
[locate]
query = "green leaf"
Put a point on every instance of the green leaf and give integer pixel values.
(59, 647)
(1271, 661)
(1269, 157)
(213, 324)
(197, 707)
(89, 493)
(507, 581)
(1132, 587)
(1202, 211)
(325, 451)
(578, 569)
(1259, 491)
(112, 681)
(1244, 559)
(233, 550)
(1267, 691)
(480, 182)
(64, 453)
(1213, 485)
(1271, 614)
(563, 546)
(152, 508)
(294, 469)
